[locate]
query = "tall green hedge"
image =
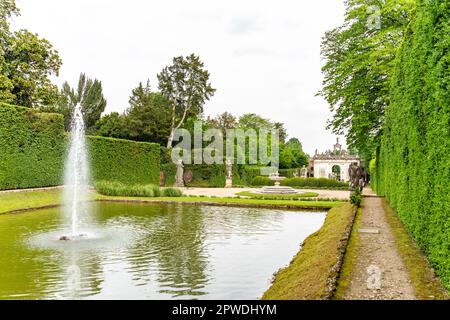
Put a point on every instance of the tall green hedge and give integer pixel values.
(412, 167)
(33, 147)
(124, 161)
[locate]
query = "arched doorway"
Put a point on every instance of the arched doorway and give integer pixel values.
(336, 172)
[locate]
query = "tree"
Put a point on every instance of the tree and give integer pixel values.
(186, 85)
(148, 117)
(281, 131)
(26, 64)
(292, 155)
(7, 9)
(294, 143)
(112, 125)
(223, 121)
(359, 58)
(89, 94)
(254, 121)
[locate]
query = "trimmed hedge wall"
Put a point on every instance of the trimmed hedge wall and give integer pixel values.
(412, 167)
(124, 161)
(313, 183)
(207, 176)
(33, 147)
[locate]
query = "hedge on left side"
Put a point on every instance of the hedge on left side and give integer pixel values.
(32, 148)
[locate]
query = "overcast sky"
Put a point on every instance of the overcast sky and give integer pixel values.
(263, 56)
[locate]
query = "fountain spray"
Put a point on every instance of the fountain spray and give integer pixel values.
(76, 176)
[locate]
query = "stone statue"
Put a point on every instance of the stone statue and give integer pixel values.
(229, 169)
(354, 173)
(229, 166)
(179, 181)
(304, 172)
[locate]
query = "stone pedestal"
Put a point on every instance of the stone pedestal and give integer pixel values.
(229, 183)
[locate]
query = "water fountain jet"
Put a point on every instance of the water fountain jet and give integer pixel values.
(76, 176)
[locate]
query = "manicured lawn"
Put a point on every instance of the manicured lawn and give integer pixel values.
(12, 201)
(277, 196)
(15, 201)
(236, 201)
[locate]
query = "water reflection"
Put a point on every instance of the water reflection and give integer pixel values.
(150, 252)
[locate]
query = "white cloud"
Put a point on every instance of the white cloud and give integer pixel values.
(263, 56)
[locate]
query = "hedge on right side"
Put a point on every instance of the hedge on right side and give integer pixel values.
(412, 167)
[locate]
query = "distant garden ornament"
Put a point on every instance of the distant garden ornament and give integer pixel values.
(162, 179)
(229, 171)
(188, 176)
(179, 181)
(304, 172)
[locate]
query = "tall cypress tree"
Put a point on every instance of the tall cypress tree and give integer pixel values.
(89, 93)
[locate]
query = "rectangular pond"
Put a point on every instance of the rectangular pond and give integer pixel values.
(156, 251)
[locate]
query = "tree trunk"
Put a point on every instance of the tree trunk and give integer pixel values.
(170, 140)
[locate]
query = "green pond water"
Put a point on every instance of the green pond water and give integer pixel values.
(135, 251)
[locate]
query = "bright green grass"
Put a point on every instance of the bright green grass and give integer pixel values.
(15, 201)
(277, 196)
(306, 278)
(12, 201)
(231, 201)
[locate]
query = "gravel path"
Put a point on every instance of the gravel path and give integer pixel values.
(378, 273)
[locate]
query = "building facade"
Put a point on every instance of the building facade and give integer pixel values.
(333, 164)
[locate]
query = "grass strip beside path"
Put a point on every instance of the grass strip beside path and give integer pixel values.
(313, 273)
(427, 285)
(349, 259)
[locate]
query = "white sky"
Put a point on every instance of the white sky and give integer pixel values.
(263, 56)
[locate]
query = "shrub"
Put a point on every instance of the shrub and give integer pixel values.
(289, 173)
(355, 198)
(317, 183)
(115, 188)
(204, 175)
(172, 192)
(262, 181)
(311, 183)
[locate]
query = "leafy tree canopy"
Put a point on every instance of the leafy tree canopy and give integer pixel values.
(26, 63)
(360, 58)
(88, 93)
(186, 85)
